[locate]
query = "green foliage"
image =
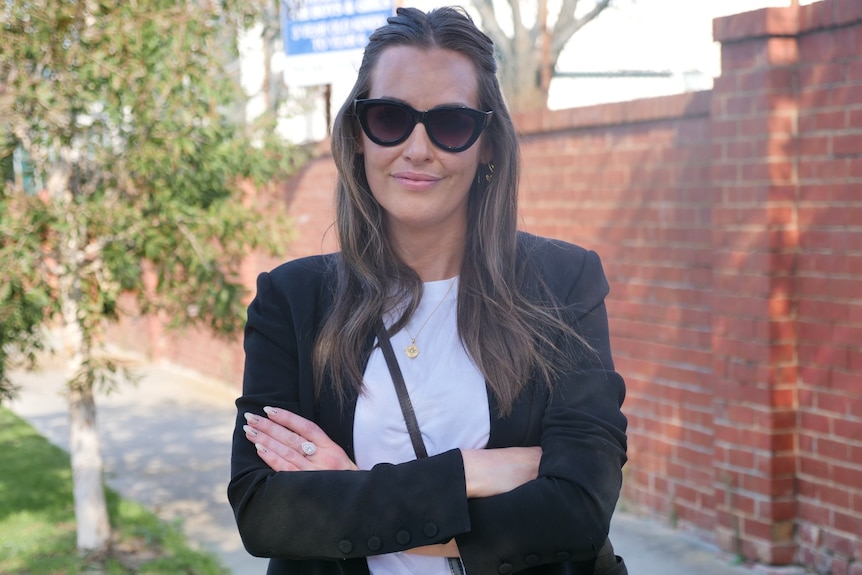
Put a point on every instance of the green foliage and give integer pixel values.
(37, 528)
(26, 296)
(129, 113)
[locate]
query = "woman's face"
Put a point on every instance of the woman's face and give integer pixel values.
(423, 188)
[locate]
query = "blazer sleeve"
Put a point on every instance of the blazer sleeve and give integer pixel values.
(564, 515)
(326, 514)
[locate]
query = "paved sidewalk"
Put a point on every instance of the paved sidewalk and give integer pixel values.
(166, 444)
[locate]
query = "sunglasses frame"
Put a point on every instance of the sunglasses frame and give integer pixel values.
(363, 105)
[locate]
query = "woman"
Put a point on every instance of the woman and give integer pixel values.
(501, 337)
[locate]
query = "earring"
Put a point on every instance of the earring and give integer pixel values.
(490, 175)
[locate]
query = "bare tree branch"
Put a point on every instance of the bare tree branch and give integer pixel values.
(566, 14)
(525, 59)
(562, 34)
(491, 26)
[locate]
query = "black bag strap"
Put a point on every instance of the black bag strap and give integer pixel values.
(455, 565)
(401, 390)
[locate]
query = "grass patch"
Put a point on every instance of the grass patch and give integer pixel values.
(37, 519)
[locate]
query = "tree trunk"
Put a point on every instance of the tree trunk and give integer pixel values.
(525, 93)
(91, 511)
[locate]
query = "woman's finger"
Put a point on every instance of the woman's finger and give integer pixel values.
(274, 460)
(299, 425)
(293, 443)
(277, 454)
(277, 431)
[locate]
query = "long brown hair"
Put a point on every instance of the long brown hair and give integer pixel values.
(509, 336)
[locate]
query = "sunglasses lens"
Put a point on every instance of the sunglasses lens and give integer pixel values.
(388, 123)
(452, 128)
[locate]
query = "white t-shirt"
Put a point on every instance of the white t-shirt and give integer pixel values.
(448, 395)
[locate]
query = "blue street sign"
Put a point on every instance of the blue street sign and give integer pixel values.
(324, 26)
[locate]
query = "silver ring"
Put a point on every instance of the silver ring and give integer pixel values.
(308, 448)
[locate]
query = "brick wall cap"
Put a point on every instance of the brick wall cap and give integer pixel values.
(687, 105)
(832, 14)
(786, 21)
(780, 21)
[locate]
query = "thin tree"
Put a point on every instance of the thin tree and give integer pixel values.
(529, 55)
(127, 112)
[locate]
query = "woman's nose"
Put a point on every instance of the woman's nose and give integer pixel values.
(418, 145)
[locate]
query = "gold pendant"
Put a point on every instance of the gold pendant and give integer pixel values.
(411, 350)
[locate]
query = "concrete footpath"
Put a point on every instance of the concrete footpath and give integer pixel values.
(166, 444)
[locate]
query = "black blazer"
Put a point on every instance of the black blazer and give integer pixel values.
(326, 522)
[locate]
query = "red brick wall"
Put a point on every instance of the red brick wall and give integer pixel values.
(754, 186)
(789, 384)
(829, 286)
(730, 226)
(632, 181)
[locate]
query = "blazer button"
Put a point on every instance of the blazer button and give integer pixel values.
(402, 537)
(430, 529)
(374, 543)
(504, 568)
(562, 556)
(531, 559)
(345, 546)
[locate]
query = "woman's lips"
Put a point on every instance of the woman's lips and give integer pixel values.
(415, 181)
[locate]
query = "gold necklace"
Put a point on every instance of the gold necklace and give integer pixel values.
(411, 350)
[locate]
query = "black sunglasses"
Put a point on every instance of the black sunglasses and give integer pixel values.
(451, 128)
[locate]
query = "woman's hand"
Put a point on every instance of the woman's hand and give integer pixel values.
(449, 549)
(279, 441)
(494, 471)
